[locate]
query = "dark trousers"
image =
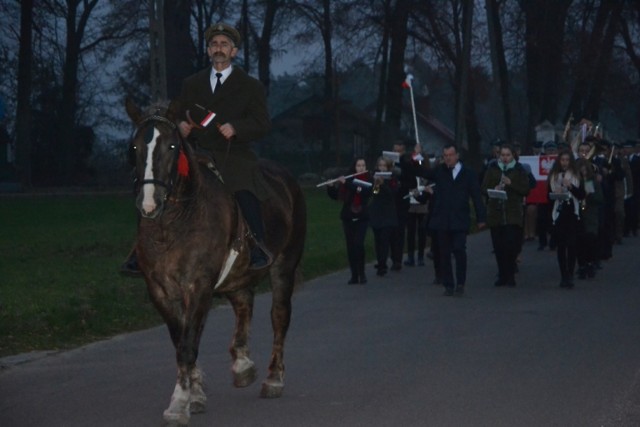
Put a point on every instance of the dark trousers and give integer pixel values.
(453, 242)
(354, 234)
(607, 231)
(543, 225)
(565, 232)
(631, 215)
(382, 241)
(252, 212)
(587, 249)
(506, 241)
(416, 225)
(397, 238)
(435, 251)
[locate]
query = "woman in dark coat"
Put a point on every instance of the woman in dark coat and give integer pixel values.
(505, 217)
(354, 193)
(564, 178)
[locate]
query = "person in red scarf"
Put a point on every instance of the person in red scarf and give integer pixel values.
(354, 193)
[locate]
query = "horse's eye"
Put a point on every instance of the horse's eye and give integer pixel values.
(132, 154)
(172, 147)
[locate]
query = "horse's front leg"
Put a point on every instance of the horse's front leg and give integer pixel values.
(243, 369)
(185, 321)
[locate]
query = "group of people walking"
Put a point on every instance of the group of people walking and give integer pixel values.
(589, 194)
(396, 193)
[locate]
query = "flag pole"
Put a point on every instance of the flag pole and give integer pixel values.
(413, 105)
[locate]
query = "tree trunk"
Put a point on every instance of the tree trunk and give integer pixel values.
(544, 39)
(245, 29)
(591, 49)
(400, 18)
(381, 101)
(67, 114)
(264, 44)
(23, 115)
(474, 156)
(328, 101)
(180, 55)
(463, 82)
(499, 64)
(601, 71)
(157, 57)
(635, 60)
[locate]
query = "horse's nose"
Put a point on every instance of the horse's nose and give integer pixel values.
(148, 208)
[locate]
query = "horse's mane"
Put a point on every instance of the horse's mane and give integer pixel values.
(158, 107)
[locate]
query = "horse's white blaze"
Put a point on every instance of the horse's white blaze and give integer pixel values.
(148, 203)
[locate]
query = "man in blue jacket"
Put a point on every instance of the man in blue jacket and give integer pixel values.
(451, 215)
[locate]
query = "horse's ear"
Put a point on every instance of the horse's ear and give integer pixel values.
(173, 111)
(132, 110)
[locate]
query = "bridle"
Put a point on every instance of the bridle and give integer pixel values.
(154, 118)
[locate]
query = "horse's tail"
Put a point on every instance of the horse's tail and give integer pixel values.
(300, 227)
(290, 195)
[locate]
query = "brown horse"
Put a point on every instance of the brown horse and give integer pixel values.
(192, 243)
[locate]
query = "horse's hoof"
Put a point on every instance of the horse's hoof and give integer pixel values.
(244, 372)
(197, 406)
(245, 378)
(197, 399)
(172, 419)
(272, 389)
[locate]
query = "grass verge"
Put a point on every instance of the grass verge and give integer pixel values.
(59, 281)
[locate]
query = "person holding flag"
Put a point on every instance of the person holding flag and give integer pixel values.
(222, 110)
(450, 218)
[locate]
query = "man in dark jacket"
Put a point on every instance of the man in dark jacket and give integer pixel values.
(222, 110)
(450, 216)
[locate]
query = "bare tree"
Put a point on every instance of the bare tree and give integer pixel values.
(157, 56)
(632, 19)
(179, 49)
(447, 31)
(544, 32)
(385, 19)
(499, 63)
(596, 51)
(88, 26)
(23, 122)
(396, 74)
(268, 13)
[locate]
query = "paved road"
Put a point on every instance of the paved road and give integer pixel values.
(392, 353)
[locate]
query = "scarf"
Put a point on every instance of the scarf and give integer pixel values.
(556, 183)
(508, 166)
(356, 199)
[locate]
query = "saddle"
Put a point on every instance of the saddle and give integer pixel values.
(205, 158)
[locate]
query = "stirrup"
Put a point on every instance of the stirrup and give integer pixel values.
(265, 260)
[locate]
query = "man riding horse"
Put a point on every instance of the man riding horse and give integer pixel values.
(222, 110)
(240, 107)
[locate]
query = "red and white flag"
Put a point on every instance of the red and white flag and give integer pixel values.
(407, 82)
(208, 118)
